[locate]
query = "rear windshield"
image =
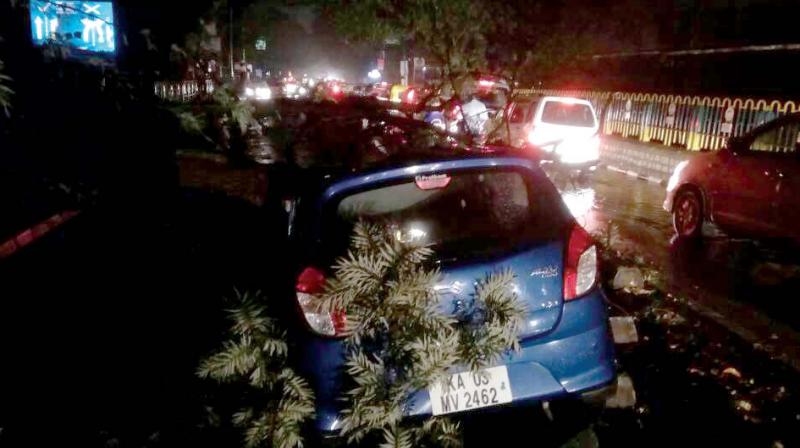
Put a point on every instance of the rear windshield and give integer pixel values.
(556, 112)
(475, 214)
(493, 99)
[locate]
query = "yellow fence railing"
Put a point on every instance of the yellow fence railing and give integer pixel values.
(691, 122)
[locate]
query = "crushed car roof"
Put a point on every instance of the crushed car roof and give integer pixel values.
(343, 139)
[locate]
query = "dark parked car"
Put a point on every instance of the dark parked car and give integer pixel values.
(749, 189)
(480, 212)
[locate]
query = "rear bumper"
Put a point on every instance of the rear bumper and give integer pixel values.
(572, 360)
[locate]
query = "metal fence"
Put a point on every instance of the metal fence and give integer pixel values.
(181, 91)
(690, 122)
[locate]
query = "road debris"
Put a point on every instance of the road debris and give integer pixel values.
(625, 396)
(629, 278)
(668, 317)
(623, 328)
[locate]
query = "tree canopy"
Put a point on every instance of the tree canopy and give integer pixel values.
(526, 41)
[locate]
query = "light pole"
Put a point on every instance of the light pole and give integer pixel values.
(230, 39)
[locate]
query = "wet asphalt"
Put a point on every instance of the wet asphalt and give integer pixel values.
(748, 287)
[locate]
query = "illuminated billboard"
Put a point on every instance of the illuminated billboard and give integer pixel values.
(87, 26)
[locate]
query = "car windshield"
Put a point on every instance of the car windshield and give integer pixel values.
(557, 112)
(460, 215)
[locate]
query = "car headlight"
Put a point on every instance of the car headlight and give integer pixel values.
(263, 93)
(579, 150)
(249, 91)
(302, 91)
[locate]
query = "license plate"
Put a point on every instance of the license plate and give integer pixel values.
(471, 390)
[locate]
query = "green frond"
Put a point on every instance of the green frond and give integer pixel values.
(258, 431)
(235, 359)
(400, 341)
(295, 386)
(288, 436)
(250, 315)
(5, 91)
(368, 236)
(275, 347)
(363, 273)
(256, 355)
(504, 318)
(396, 438)
(294, 410)
(446, 433)
(243, 417)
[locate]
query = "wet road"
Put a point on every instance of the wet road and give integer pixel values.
(746, 287)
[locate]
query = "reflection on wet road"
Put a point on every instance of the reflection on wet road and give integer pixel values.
(746, 287)
(626, 209)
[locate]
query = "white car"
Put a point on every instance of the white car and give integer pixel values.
(565, 127)
(258, 92)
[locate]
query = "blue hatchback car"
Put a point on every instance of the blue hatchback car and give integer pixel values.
(482, 212)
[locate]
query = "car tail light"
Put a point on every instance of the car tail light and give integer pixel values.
(580, 266)
(310, 283)
(579, 149)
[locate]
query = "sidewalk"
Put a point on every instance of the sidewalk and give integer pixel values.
(648, 161)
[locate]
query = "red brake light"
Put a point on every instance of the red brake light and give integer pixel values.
(432, 182)
(309, 283)
(580, 264)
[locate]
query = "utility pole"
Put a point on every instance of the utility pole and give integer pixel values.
(230, 39)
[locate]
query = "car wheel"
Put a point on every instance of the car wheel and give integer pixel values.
(687, 215)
